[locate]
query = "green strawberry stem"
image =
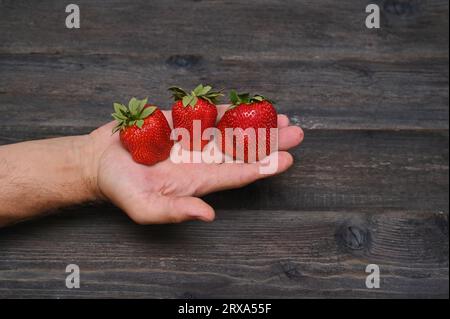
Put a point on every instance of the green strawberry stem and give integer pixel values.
(191, 99)
(134, 114)
(245, 98)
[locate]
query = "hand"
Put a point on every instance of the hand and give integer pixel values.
(168, 192)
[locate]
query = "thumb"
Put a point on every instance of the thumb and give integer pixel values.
(160, 209)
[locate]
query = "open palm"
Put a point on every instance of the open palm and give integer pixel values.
(168, 192)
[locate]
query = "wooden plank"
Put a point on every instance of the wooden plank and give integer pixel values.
(342, 169)
(351, 93)
(243, 254)
(360, 192)
(271, 28)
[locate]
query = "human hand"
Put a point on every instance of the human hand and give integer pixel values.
(168, 192)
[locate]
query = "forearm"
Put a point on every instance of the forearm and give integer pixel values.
(38, 176)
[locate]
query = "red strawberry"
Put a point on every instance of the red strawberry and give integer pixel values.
(248, 113)
(144, 131)
(198, 105)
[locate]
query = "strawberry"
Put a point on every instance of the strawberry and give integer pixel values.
(197, 105)
(248, 112)
(144, 131)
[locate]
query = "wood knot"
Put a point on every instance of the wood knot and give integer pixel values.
(290, 270)
(184, 61)
(353, 237)
(402, 8)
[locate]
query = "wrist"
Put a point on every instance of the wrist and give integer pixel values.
(95, 145)
(89, 161)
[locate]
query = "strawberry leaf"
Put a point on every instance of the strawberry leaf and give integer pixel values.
(142, 104)
(119, 108)
(193, 101)
(134, 114)
(177, 93)
(133, 106)
(208, 99)
(205, 90)
(117, 128)
(198, 90)
(147, 112)
(244, 98)
(187, 100)
(119, 117)
(139, 123)
(234, 98)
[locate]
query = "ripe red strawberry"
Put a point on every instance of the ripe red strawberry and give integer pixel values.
(244, 113)
(144, 131)
(197, 105)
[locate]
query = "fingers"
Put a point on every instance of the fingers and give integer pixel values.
(159, 209)
(282, 121)
(180, 209)
(234, 175)
(289, 137)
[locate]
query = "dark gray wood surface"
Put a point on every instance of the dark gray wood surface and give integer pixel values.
(370, 183)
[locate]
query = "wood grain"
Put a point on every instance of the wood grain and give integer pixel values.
(370, 181)
(316, 58)
(350, 93)
(254, 28)
(342, 169)
(244, 253)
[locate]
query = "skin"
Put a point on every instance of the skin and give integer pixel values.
(37, 177)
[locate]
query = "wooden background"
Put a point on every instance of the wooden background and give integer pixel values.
(370, 183)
